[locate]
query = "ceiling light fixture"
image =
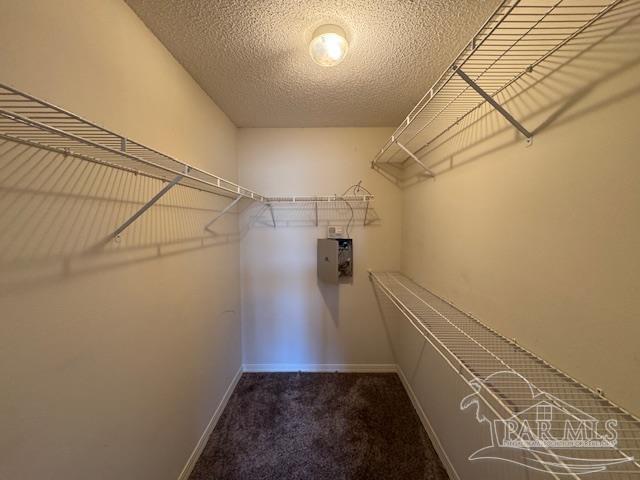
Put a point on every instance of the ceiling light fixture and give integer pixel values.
(328, 46)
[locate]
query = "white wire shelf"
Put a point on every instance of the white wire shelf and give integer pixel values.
(32, 121)
(321, 210)
(29, 120)
(476, 352)
(319, 198)
(520, 38)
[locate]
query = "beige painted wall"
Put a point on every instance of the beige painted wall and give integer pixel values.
(290, 319)
(541, 243)
(112, 364)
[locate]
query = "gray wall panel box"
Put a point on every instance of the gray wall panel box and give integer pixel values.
(335, 259)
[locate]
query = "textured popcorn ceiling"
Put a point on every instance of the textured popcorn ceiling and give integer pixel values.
(252, 58)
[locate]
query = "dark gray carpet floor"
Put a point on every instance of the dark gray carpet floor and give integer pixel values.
(324, 426)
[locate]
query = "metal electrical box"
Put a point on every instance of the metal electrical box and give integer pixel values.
(334, 231)
(335, 259)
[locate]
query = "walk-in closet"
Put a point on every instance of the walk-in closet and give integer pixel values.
(319, 240)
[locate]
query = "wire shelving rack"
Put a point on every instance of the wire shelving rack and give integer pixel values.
(29, 120)
(520, 37)
(32, 121)
(319, 198)
(492, 366)
(35, 122)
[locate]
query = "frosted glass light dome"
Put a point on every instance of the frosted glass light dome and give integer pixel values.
(328, 46)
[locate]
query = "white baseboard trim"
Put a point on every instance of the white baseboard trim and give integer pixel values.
(320, 367)
(193, 458)
(446, 461)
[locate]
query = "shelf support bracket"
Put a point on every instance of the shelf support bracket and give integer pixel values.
(316, 204)
(416, 159)
(501, 110)
(366, 211)
(145, 207)
(273, 217)
(222, 213)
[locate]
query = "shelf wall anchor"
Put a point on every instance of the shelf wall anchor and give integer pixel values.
(501, 110)
(222, 213)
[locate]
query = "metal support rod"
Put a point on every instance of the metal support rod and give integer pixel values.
(316, 203)
(223, 212)
(366, 211)
(145, 207)
(415, 159)
(273, 218)
(501, 110)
